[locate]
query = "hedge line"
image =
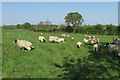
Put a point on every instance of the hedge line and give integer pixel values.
(85, 29)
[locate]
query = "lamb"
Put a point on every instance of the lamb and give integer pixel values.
(96, 47)
(23, 44)
(72, 38)
(42, 39)
(41, 33)
(86, 35)
(112, 48)
(79, 45)
(86, 41)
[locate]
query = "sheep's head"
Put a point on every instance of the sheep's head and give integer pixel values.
(15, 41)
(114, 39)
(107, 44)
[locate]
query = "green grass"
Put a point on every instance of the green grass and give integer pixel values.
(0, 52)
(40, 62)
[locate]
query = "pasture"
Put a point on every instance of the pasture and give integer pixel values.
(53, 60)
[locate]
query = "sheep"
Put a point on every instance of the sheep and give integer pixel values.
(86, 35)
(72, 38)
(96, 47)
(42, 39)
(41, 33)
(67, 35)
(112, 48)
(59, 40)
(116, 41)
(63, 35)
(52, 38)
(23, 44)
(79, 45)
(86, 41)
(94, 40)
(91, 37)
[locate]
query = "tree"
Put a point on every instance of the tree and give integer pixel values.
(118, 28)
(47, 22)
(41, 23)
(74, 18)
(27, 25)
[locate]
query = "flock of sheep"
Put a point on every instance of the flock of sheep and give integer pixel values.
(92, 40)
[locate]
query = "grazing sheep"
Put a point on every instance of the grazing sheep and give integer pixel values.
(42, 39)
(23, 44)
(116, 41)
(41, 33)
(63, 35)
(86, 35)
(72, 38)
(67, 35)
(79, 45)
(52, 38)
(94, 40)
(112, 48)
(91, 37)
(60, 40)
(86, 41)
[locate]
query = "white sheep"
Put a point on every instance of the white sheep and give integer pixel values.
(63, 35)
(72, 38)
(42, 39)
(67, 35)
(86, 35)
(52, 38)
(60, 40)
(79, 45)
(86, 41)
(94, 40)
(23, 44)
(41, 33)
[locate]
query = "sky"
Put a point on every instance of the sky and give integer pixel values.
(33, 12)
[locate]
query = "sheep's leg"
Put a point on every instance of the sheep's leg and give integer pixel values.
(78, 46)
(97, 49)
(43, 40)
(21, 48)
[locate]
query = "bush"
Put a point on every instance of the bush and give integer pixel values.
(69, 29)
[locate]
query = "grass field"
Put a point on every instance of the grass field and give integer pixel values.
(53, 60)
(0, 52)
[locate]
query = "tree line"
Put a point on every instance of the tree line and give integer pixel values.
(73, 22)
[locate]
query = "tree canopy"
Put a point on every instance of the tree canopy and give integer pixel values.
(74, 19)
